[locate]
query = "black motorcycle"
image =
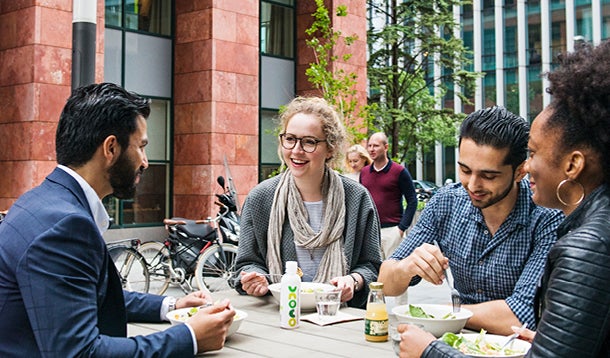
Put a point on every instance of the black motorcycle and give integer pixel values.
(230, 218)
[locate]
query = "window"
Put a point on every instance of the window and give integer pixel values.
(605, 4)
(277, 29)
(154, 16)
(138, 56)
(270, 160)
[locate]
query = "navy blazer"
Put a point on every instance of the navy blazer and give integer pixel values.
(60, 295)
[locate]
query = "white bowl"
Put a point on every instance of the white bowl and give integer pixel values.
(518, 345)
(182, 314)
(308, 299)
(437, 326)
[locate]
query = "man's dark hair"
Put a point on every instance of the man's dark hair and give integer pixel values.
(581, 102)
(498, 128)
(91, 114)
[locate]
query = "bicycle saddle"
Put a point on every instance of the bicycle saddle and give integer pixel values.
(191, 227)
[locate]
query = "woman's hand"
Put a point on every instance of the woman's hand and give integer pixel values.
(414, 340)
(194, 299)
(254, 283)
(526, 334)
(346, 284)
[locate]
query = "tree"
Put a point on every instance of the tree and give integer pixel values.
(402, 51)
(336, 85)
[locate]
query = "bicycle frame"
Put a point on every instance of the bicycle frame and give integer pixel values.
(188, 240)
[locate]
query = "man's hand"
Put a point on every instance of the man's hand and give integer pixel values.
(254, 283)
(414, 340)
(211, 325)
(194, 299)
(427, 262)
(346, 284)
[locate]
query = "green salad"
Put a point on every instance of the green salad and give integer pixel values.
(418, 312)
(479, 346)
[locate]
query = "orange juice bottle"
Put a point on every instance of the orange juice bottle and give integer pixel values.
(376, 317)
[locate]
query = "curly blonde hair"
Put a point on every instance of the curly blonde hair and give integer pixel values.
(332, 124)
(362, 153)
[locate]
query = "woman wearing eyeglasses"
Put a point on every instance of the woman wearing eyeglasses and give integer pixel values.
(309, 213)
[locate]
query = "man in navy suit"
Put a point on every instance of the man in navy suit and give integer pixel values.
(60, 294)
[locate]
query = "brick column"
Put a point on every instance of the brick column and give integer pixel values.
(35, 66)
(215, 101)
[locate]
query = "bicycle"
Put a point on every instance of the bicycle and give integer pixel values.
(193, 249)
(131, 265)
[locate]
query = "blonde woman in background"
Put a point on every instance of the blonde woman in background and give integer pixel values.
(356, 158)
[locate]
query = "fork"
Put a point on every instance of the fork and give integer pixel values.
(513, 336)
(299, 272)
(456, 301)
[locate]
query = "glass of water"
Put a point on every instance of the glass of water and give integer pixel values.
(394, 337)
(327, 303)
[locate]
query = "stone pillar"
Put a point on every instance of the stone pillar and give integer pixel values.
(35, 66)
(215, 101)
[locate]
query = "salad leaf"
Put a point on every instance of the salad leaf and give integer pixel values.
(418, 312)
(451, 339)
(479, 346)
(449, 315)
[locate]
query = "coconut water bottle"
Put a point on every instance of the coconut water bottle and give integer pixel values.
(290, 297)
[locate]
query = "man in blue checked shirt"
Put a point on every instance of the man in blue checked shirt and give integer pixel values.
(490, 232)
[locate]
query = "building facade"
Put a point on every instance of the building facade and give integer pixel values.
(513, 42)
(217, 71)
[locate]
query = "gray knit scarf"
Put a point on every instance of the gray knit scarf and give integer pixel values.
(288, 199)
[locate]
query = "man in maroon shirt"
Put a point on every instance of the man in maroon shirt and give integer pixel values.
(388, 183)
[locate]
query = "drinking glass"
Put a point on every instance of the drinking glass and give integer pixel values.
(394, 337)
(327, 303)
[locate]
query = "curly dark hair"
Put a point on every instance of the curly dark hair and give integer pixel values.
(581, 102)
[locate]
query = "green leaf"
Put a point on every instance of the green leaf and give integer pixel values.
(451, 339)
(418, 312)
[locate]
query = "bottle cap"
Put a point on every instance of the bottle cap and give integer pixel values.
(376, 285)
(291, 267)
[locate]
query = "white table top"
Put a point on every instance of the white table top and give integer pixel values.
(261, 336)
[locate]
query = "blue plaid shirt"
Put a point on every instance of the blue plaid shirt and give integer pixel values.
(507, 265)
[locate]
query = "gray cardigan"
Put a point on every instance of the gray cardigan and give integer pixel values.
(361, 234)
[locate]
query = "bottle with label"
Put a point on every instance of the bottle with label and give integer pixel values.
(376, 317)
(290, 297)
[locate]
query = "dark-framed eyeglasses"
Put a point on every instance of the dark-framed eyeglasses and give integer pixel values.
(308, 144)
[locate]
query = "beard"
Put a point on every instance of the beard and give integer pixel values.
(123, 178)
(496, 199)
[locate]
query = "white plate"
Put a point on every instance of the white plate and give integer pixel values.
(182, 314)
(436, 326)
(518, 345)
(308, 299)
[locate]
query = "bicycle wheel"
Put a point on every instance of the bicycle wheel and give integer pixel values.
(215, 267)
(115, 250)
(132, 269)
(157, 258)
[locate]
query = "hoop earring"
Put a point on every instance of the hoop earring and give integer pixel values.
(562, 183)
